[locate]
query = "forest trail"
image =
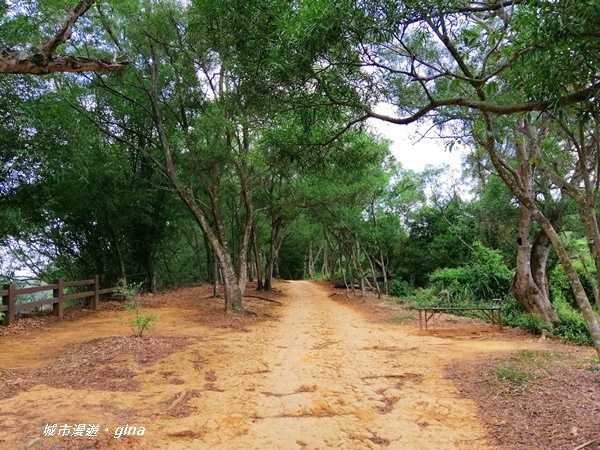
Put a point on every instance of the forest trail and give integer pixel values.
(324, 378)
(318, 377)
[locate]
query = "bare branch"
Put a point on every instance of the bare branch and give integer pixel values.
(50, 45)
(40, 60)
(489, 107)
(12, 61)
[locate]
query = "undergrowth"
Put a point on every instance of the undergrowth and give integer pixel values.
(486, 277)
(518, 372)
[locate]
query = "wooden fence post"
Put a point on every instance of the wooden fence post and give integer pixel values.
(57, 308)
(96, 298)
(9, 300)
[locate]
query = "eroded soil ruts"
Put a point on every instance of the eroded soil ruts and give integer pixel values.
(318, 377)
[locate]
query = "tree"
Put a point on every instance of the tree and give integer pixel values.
(439, 236)
(87, 205)
(210, 150)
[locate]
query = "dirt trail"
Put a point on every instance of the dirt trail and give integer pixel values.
(320, 377)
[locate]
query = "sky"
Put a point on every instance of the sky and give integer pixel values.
(413, 152)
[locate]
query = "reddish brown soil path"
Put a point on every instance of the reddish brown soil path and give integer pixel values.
(316, 376)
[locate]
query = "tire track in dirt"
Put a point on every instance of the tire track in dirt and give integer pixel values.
(324, 378)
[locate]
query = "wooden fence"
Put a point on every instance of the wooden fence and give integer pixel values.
(9, 295)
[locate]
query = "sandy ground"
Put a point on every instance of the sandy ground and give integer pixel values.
(315, 375)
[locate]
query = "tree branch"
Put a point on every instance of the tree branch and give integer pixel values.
(489, 107)
(40, 61)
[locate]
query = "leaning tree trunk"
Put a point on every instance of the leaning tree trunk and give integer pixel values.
(383, 271)
(217, 278)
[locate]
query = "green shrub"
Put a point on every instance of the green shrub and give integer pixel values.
(560, 287)
(399, 288)
(572, 326)
(514, 316)
(483, 278)
(530, 322)
(421, 298)
(139, 322)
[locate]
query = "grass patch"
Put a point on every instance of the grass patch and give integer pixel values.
(594, 365)
(537, 358)
(515, 373)
(402, 318)
(512, 374)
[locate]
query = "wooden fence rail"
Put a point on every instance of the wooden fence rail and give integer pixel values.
(10, 292)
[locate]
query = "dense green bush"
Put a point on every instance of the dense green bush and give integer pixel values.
(572, 326)
(560, 287)
(399, 288)
(482, 279)
(422, 297)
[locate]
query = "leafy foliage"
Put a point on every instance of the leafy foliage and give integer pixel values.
(137, 321)
(514, 316)
(572, 326)
(484, 277)
(560, 289)
(436, 239)
(399, 288)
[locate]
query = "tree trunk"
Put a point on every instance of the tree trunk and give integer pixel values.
(539, 260)
(384, 271)
(325, 262)
(151, 273)
(311, 262)
(531, 296)
(534, 298)
(274, 245)
(234, 293)
(593, 282)
(211, 267)
(259, 276)
(216, 279)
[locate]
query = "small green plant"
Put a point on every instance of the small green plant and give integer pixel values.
(594, 365)
(139, 322)
(127, 289)
(539, 361)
